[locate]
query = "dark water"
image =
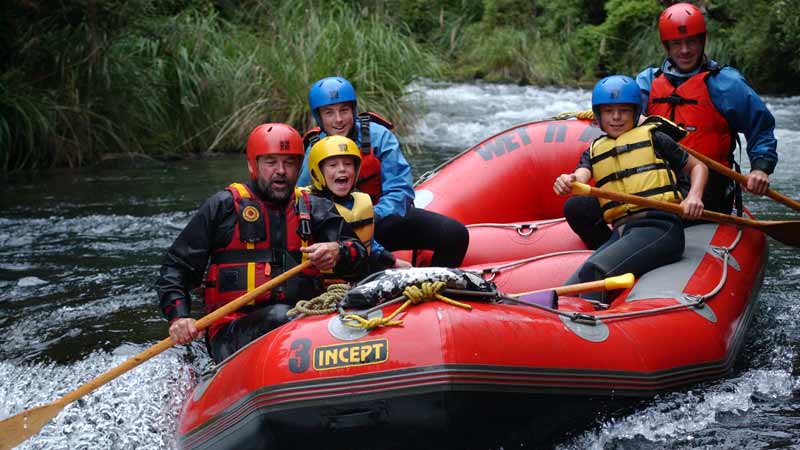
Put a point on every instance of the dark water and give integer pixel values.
(79, 252)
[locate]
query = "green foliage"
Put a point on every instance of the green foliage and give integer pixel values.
(173, 78)
(81, 79)
(495, 54)
(628, 36)
(25, 123)
(370, 52)
(508, 13)
(762, 40)
(559, 17)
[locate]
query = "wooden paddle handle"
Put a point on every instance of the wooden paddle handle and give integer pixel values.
(740, 178)
(585, 189)
(165, 344)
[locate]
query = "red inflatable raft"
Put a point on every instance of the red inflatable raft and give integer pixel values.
(449, 375)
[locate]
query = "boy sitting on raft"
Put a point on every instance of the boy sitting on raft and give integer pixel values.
(333, 165)
(639, 160)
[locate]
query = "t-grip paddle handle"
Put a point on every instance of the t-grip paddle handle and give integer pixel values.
(617, 282)
(620, 281)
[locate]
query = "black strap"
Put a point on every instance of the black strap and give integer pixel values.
(379, 119)
(666, 126)
(366, 143)
(311, 138)
(619, 150)
(675, 99)
(303, 206)
(673, 181)
(648, 193)
(361, 223)
(616, 176)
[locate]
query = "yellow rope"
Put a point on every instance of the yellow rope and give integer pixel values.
(324, 303)
(415, 295)
(586, 114)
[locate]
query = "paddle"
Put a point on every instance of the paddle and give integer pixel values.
(17, 428)
(741, 179)
(786, 231)
(608, 284)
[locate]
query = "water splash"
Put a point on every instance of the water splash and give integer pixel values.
(461, 115)
(138, 410)
(693, 416)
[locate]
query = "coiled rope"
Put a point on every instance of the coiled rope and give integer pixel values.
(324, 303)
(586, 114)
(415, 295)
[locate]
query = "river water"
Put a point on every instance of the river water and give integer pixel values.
(80, 250)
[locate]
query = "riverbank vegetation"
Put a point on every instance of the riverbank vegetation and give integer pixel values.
(84, 80)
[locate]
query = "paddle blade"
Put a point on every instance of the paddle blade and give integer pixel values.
(787, 231)
(15, 429)
(543, 298)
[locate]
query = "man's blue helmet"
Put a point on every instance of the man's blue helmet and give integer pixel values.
(617, 89)
(329, 91)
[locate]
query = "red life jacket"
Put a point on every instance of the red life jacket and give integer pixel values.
(369, 173)
(689, 105)
(265, 243)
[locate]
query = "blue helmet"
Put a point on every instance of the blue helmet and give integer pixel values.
(617, 89)
(329, 91)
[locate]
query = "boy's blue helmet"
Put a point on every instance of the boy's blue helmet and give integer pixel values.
(617, 89)
(329, 91)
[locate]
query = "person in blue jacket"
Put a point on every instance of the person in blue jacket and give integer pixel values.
(384, 174)
(713, 101)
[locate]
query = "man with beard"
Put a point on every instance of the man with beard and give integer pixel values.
(248, 233)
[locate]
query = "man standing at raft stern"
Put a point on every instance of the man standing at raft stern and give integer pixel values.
(248, 233)
(712, 101)
(384, 174)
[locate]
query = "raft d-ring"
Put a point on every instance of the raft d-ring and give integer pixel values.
(583, 318)
(697, 301)
(526, 229)
(720, 251)
(488, 274)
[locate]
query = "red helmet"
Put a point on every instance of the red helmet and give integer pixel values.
(680, 21)
(272, 139)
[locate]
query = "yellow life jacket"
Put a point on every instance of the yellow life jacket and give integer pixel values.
(360, 217)
(629, 164)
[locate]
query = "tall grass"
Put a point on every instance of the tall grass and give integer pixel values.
(83, 80)
(25, 123)
(377, 57)
(199, 87)
(194, 81)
